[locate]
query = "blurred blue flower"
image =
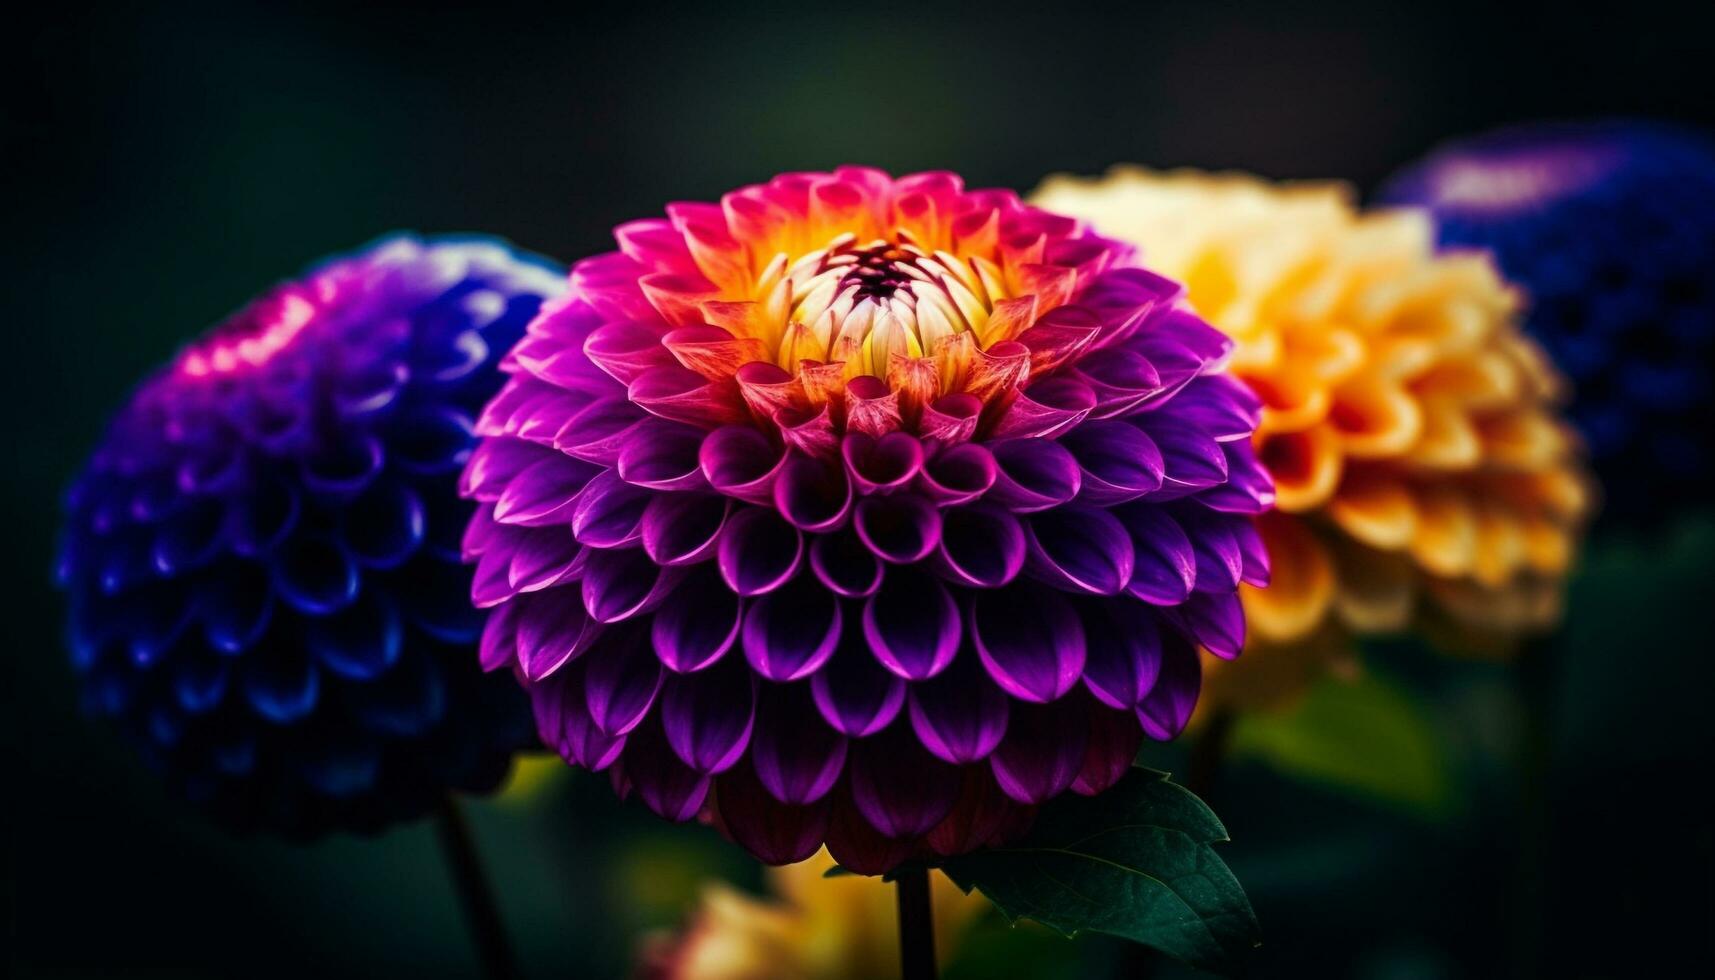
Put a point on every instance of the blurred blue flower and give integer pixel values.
(262, 555)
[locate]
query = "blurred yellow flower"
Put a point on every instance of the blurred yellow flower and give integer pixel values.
(1410, 427)
(840, 928)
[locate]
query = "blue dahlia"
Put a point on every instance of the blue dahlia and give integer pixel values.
(1610, 227)
(262, 556)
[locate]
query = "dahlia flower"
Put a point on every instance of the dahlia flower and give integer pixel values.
(1610, 227)
(863, 510)
(1409, 426)
(262, 556)
(814, 928)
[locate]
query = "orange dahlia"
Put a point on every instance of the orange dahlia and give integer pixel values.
(1422, 471)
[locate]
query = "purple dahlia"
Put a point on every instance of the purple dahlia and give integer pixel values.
(262, 556)
(860, 510)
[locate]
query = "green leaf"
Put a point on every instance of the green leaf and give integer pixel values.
(1362, 735)
(1134, 862)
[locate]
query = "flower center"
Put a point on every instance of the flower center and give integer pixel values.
(865, 305)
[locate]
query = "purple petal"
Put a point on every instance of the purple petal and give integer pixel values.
(1190, 457)
(1030, 640)
(621, 679)
(545, 557)
(699, 625)
(797, 757)
(758, 551)
(601, 431)
(564, 724)
(1168, 706)
(609, 513)
(623, 583)
(1121, 380)
(958, 474)
(902, 528)
(881, 465)
(1043, 750)
(553, 628)
(912, 624)
(499, 644)
(739, 461)
(1215, 545)
(663, 455)
(773, 831)
(845, 565)
(1079, 549)
(960, 715)
(708, 715)
(855, 694)
(900, 789)
(1122, 642)
(626, 350)
(1249, 488)
(1035, 474)
(981, 546)
(814, 497)
(1115, 738)
(1216, 620)
(859, 847)
(1219, 405)
(790, 633)
(545, 492)
(683, 528)
(1164, 565)
(1045, 408)
(1118, 462)
(661, 780)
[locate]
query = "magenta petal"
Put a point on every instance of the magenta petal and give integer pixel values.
(790, 633)
(600, 432)
(660, 778)
(951, 419)
(626, 350)
(623, 583)
(609, 513)
(1030, 640)
(621, 679)
(663, 455)
(699, 625)
(912, 624)
(958, 474)
(739, 461)
(545, 492)
(881, 465)
(797, 757)
(960, 715)
(814, 497)
(902, 528)
(773, 831)
(1164, 565)
(1043, 750)
(900, 789)
(683, 528)
(758, 551)
(708, 716)
(1122, 641)
(855, 694)
(1035, 474)
(683, 395)
(1118, 462)
(981, 546)
(553, 628)
(1216, 619)
(1079, 549)
(1167, 708)
(1121, 379)
(495, 463)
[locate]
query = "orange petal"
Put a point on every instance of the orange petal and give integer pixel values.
(1446, 538)
(1375, 420)
(1301, 584)
(1306, 466)
(1374, 508)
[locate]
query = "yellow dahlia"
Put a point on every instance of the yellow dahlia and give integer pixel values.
(1420, 466)
(839, 928)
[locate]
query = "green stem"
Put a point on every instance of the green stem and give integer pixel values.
(916, 925)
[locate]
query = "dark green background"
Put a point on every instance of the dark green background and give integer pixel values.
(168, 163)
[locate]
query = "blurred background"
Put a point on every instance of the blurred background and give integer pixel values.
(1481, 820)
